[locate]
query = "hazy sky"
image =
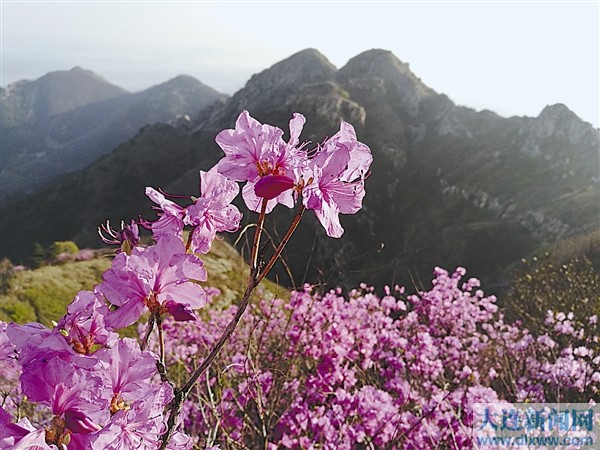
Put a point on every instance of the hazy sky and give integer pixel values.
(511, 57)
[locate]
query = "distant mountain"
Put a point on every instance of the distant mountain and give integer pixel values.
(66, 120)
(31, 102)
(449, 185)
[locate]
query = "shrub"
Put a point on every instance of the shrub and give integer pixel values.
(7, 272)
(545, 284)
(362, 371)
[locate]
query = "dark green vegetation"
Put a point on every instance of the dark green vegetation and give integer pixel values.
(449, 186)
(64, 121)
(566, 278)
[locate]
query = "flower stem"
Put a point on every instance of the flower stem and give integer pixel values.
(181, 394)
(253, 280)
(282, 244)
(149, 329)
(188, 244)
(258, 233)
(162, 370)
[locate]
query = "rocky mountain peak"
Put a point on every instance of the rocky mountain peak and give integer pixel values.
(557, 112)
(181, 83)
(278, 85)
(559, 121)
(305, 67)
(61, 79)
(380, 74)
(384, 64)
(80, 71)
(183, 79)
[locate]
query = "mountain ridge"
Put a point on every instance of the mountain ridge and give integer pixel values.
(34, 154)
(449, 185)
(53, 94)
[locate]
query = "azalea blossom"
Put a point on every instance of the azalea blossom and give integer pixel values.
(127, 371)
(140, 425)
(21, 434)
(126, 238)
(254, 151)
(83, 325)
(73, 394)
(34, 342)
(161, 278)
(170, 221)
(213, 211)
(335, 179)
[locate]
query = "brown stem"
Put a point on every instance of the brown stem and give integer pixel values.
(417, 423)
(181, 394)
(257, 234)
(149, 329)
(188, 244)
(253, 281)
(282, 244)
(162, 369)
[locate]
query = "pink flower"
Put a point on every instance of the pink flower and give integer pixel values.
(128, 234)
(138, 427)
(335, 179)
(127, 370)
(21, 434)
(253, 151)
(170, 221)
(73, 394)
(83, 325)
(34, 342)
(59, 385)
(161, 278)
(213, 211)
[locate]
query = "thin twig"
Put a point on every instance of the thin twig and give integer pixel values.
(149, 329)
(282, 244)
(181, 394)
(188, 244)
(257, 234)
(254, 279)
(162, 370)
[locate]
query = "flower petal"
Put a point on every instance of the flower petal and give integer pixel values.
(270, 186)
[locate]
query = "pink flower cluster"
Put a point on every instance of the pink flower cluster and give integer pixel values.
(364, 371)
(92, 389)
(97, 391)
(330, 178)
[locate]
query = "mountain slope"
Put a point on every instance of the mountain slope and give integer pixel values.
(43, 294)
(449, 185)
(30, 102)
(34, 154)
